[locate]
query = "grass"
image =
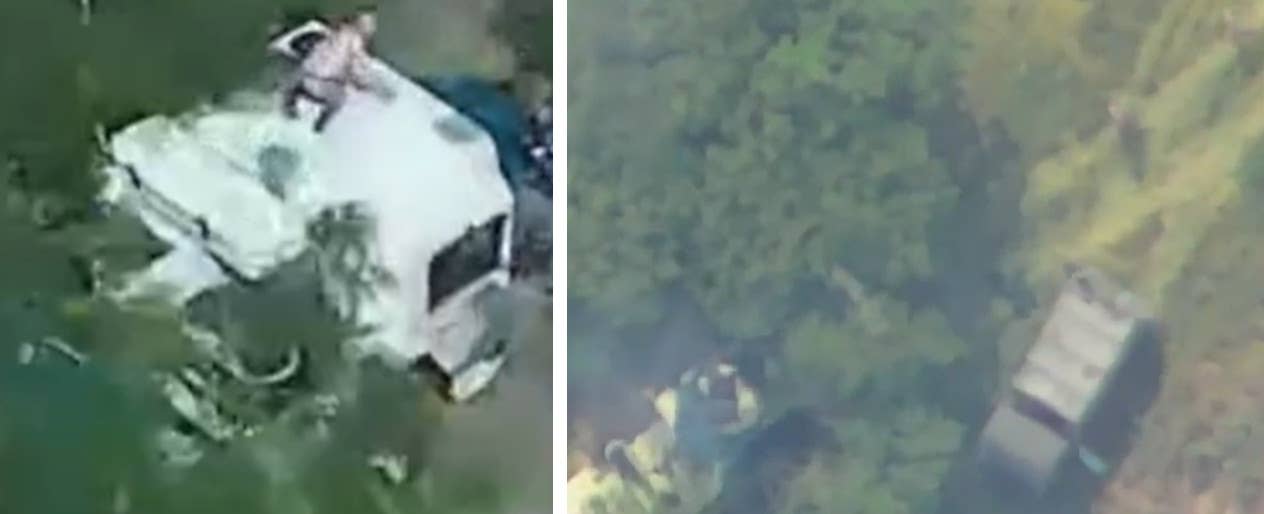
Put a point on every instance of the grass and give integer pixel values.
(1182, 236)
(1082, 204)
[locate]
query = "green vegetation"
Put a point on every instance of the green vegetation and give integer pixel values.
(708, 93)
(1251, 170)
(866, 197)
(889, 466)
(527, 25)
(761, 153)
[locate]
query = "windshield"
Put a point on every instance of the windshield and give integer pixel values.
(465, 260)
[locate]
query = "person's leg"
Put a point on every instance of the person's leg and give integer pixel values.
(291, 91)
(317, 91)
(289, 102)
(333, 103)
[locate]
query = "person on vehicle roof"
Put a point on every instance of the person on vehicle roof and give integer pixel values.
(335, 63)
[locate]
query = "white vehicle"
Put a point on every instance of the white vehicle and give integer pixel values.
(233, 189)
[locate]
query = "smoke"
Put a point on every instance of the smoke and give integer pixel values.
(615, 371)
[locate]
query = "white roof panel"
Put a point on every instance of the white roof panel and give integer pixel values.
(1079, 346)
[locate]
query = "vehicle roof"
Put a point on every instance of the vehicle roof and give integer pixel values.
(1088, 332)
(184, 178)
(424, 173)
(423, 186)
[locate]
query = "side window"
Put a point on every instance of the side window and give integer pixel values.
(465, 260)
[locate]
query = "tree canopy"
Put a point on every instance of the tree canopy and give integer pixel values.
(774, 145)
(744, 152)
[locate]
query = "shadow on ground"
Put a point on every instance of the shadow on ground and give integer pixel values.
(508, 433)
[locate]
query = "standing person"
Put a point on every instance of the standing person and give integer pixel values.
(337, 62)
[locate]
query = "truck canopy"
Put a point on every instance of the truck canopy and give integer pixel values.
(1091, 329)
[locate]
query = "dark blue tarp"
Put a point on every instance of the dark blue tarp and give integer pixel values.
(493, 109)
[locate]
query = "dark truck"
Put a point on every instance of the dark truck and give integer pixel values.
(1038, 426)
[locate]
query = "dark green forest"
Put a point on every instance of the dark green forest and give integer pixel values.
(80, 439)
(789, 169)
(860, 202)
